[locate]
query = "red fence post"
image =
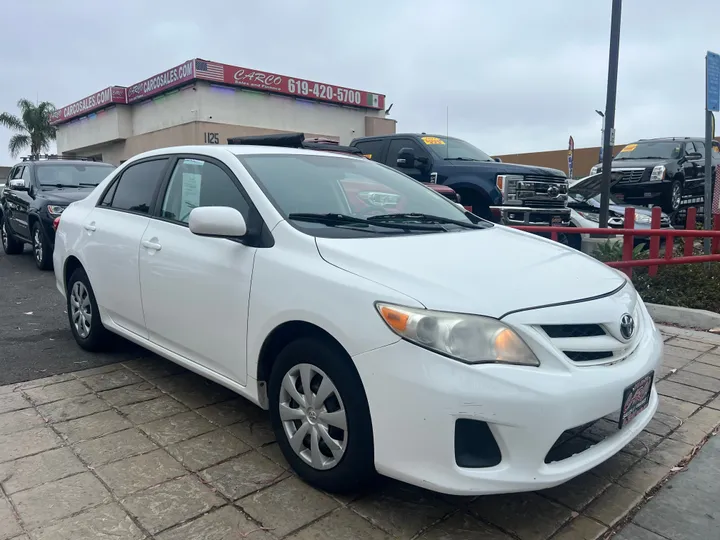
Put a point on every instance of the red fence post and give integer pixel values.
(716, 227)
(690, 223)
(628, 239)
(655, 240)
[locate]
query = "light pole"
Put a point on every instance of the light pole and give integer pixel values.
(602, 132)
(609, 118)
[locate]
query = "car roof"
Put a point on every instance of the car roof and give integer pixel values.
(41, 162)
(672, 139)
(224, 150)
(391, 135)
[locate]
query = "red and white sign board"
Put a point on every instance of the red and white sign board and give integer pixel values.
(198, 69)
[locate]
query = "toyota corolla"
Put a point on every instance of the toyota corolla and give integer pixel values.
(424, 344)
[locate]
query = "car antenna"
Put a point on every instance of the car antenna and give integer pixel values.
(447, 132)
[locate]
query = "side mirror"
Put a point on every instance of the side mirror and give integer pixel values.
(406, 158)
(693, 156)
(217, 221)
(498, 160)
(18, 185)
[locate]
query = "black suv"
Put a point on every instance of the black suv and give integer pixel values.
(502, 192)
(36, 192)
(661, 171)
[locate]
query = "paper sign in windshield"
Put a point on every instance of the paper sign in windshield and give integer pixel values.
(432, 140)
(630, 147)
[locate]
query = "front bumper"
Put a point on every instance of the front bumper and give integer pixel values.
(643, 190)
(416, 397)
(526, 215)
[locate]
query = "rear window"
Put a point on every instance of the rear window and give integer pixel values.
(72, 174)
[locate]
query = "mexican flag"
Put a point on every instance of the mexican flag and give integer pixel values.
(373, 100)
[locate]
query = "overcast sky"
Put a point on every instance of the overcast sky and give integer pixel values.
(517, 76)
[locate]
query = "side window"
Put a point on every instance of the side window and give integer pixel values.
(398, 144)
(716, 146)
(689, 148)
(700, 148)
(16, 173)
(26, 176)
(371, 149)
(136, 187)
(196, 183)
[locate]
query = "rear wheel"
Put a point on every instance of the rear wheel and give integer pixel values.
(11, 245)
(83, 313)
(321, 417)
(41, 248)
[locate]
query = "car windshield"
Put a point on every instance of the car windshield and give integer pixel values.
(352, 195)
(454, 149)
(651, 150)
(72, 174)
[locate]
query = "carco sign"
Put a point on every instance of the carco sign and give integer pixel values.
(99, 100)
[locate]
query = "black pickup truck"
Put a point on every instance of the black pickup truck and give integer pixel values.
(502, 192)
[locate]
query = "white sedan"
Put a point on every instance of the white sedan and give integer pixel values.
(415, 340)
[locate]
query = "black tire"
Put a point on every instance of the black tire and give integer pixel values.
(97, 337)
(355, 470)
(42, 250)
(11, 245)
(671, 199)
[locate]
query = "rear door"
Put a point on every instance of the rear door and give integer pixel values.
(373, 149)
(111, 241)
(16, 203)
(195, 290)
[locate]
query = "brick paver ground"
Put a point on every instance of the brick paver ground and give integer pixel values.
(146, 450)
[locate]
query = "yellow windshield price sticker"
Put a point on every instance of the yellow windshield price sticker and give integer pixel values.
(629, 148)
(432, 140)
(369, 156)
(716, 148)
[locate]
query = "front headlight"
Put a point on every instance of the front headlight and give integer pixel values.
(642, 218)
(590, 216)
(55, 210)
(468, 338)
(595, 170)
(658, 173)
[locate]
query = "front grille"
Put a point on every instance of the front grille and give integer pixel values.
(580, 356)
(546, 203)
(630, 176)
(542, 191)
(573, 330)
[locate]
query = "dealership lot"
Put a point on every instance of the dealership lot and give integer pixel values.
(128, 446)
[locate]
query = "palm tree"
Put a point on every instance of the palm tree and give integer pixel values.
(33, 127)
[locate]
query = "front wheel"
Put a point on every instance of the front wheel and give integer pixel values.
(83, 313)
(11, 245)
(41, 248)
(321, 417)
(673, 197)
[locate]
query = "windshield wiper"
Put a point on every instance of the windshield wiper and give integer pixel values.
(59, 185)
(424, 218)
(88, 184)
(344, 219)
(461, 159)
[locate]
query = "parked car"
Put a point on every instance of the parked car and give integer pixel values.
(584, 201)
(362, 335)
(502, 192)
(298, 140)
(661, 171)
(37, 192)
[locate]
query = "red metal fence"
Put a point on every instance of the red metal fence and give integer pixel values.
(629, 232)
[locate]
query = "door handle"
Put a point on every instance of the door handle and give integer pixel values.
(90, 226)
(151, 245)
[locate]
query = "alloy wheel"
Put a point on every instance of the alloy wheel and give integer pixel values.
(81, 309)
(313, 416)
(676, 196)
(37, 245)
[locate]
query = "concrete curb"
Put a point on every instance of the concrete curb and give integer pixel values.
(691, 318)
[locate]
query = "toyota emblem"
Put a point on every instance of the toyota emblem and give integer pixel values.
(627, 326)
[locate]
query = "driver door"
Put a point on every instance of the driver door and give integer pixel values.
(420, 172)
(18, 202)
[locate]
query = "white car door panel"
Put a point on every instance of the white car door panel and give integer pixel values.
(111, 245)
(195, 290)
(195, 294)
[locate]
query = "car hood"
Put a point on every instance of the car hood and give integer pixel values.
(487, 272)
(638, 163)
(494, 168)
(66, 195)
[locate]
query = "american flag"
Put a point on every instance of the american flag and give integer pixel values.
(209, 70)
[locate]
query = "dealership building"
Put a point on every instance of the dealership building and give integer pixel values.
(203, 102)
